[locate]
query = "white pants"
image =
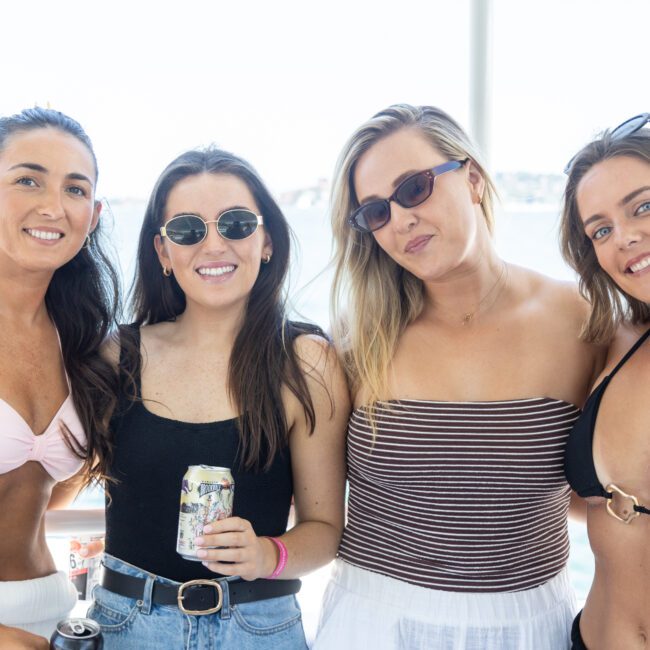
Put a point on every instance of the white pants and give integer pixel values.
(37, 605)
(362, 609)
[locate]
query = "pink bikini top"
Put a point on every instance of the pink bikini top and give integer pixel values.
(19, 444)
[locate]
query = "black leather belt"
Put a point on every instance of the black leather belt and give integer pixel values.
(198, 597)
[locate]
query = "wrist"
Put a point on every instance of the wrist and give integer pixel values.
(281, 555)
(271, 557)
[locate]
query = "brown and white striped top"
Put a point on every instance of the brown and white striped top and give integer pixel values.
(460, 496)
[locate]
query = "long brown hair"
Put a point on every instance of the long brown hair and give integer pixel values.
(263, 359)
(609, 303)
(82, 301)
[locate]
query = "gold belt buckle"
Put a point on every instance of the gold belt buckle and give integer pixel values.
(632, 515)
(200, 612)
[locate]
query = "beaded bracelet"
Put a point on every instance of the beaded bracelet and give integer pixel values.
(282, 560)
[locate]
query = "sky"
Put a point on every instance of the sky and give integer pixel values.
(285, 83)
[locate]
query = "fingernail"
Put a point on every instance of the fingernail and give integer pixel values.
(207, 529)
(199, 541)
(201, 553)
(205, 564)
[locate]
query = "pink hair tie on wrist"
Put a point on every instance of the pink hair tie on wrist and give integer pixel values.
(282, 560)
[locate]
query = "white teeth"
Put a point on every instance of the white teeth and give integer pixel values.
(645, 262)
(44, 234)
(216, 270)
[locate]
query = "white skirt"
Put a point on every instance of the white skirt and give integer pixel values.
(363, 609)
(37, 605)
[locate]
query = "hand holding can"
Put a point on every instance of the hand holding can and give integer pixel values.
(207, 495)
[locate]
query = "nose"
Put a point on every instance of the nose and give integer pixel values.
(213, 241)
(403, 219)
(627, 234)
(51, 206)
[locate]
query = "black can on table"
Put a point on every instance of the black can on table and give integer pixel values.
(77, 634)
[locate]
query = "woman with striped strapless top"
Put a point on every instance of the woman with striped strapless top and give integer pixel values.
(466, 373)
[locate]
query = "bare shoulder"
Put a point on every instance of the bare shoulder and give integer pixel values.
(550, 299)
(624, 338)
(324, 376)
(314, 352)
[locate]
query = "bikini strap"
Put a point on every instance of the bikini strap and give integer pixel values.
(629, 353)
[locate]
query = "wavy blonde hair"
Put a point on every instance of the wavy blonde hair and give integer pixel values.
(373, 298)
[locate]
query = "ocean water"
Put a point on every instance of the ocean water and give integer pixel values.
(525, 234)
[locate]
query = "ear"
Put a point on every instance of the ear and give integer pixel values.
(97, 210)
(476, 182)
(267, 249)
(161, 251)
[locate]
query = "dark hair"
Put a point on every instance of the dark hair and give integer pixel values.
(609, 303)
(82, 300)
(265, 332)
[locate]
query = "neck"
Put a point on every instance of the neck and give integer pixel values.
(468, 291)
(23, 298)
(204, 325)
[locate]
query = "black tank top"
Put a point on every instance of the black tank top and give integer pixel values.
(150, 457)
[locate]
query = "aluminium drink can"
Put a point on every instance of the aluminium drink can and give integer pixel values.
(77, 634)
(207, 494)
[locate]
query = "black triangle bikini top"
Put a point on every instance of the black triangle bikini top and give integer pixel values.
(579, 465)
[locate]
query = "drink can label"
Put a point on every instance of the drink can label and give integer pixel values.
(84, 572)
(207, 494)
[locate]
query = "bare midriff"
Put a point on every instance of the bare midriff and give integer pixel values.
(617, 611)
(24, 496)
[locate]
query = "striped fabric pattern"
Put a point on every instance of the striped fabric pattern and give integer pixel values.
(460, 496)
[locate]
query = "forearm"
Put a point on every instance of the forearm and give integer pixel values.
(11, 637)
(310, 545)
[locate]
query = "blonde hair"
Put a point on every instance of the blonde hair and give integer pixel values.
(373, 298)
(610, 305)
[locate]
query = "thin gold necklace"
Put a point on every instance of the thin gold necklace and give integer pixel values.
(469, 316)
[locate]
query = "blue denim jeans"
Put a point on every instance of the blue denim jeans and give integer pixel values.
(128, 624)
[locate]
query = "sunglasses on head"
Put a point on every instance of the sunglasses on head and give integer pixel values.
(190, 229)
(624, 129)
(410, 192)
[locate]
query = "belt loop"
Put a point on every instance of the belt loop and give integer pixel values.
(225, 606)
(147, 595)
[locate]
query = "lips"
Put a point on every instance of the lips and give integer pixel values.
(215, 270)
(41, 233)
(417, 244)
(638, 263)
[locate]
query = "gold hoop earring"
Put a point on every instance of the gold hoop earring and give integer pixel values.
(266, 259)
(166, 272)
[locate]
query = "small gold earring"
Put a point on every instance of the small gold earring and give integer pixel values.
(266, 259)
(166, 272)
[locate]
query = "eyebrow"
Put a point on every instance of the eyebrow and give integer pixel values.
(196, 214)
(76, 176)
(632, 195)
(626, 199)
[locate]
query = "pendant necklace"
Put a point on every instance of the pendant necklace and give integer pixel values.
(469, 316)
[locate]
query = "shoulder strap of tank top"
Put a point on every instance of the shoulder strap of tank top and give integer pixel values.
(630, 352)
(129, 362)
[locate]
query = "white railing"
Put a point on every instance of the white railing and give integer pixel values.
(75, 522)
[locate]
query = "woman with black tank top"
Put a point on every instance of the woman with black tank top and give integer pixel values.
(606, 239)
(467, 375)
(212, 373)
